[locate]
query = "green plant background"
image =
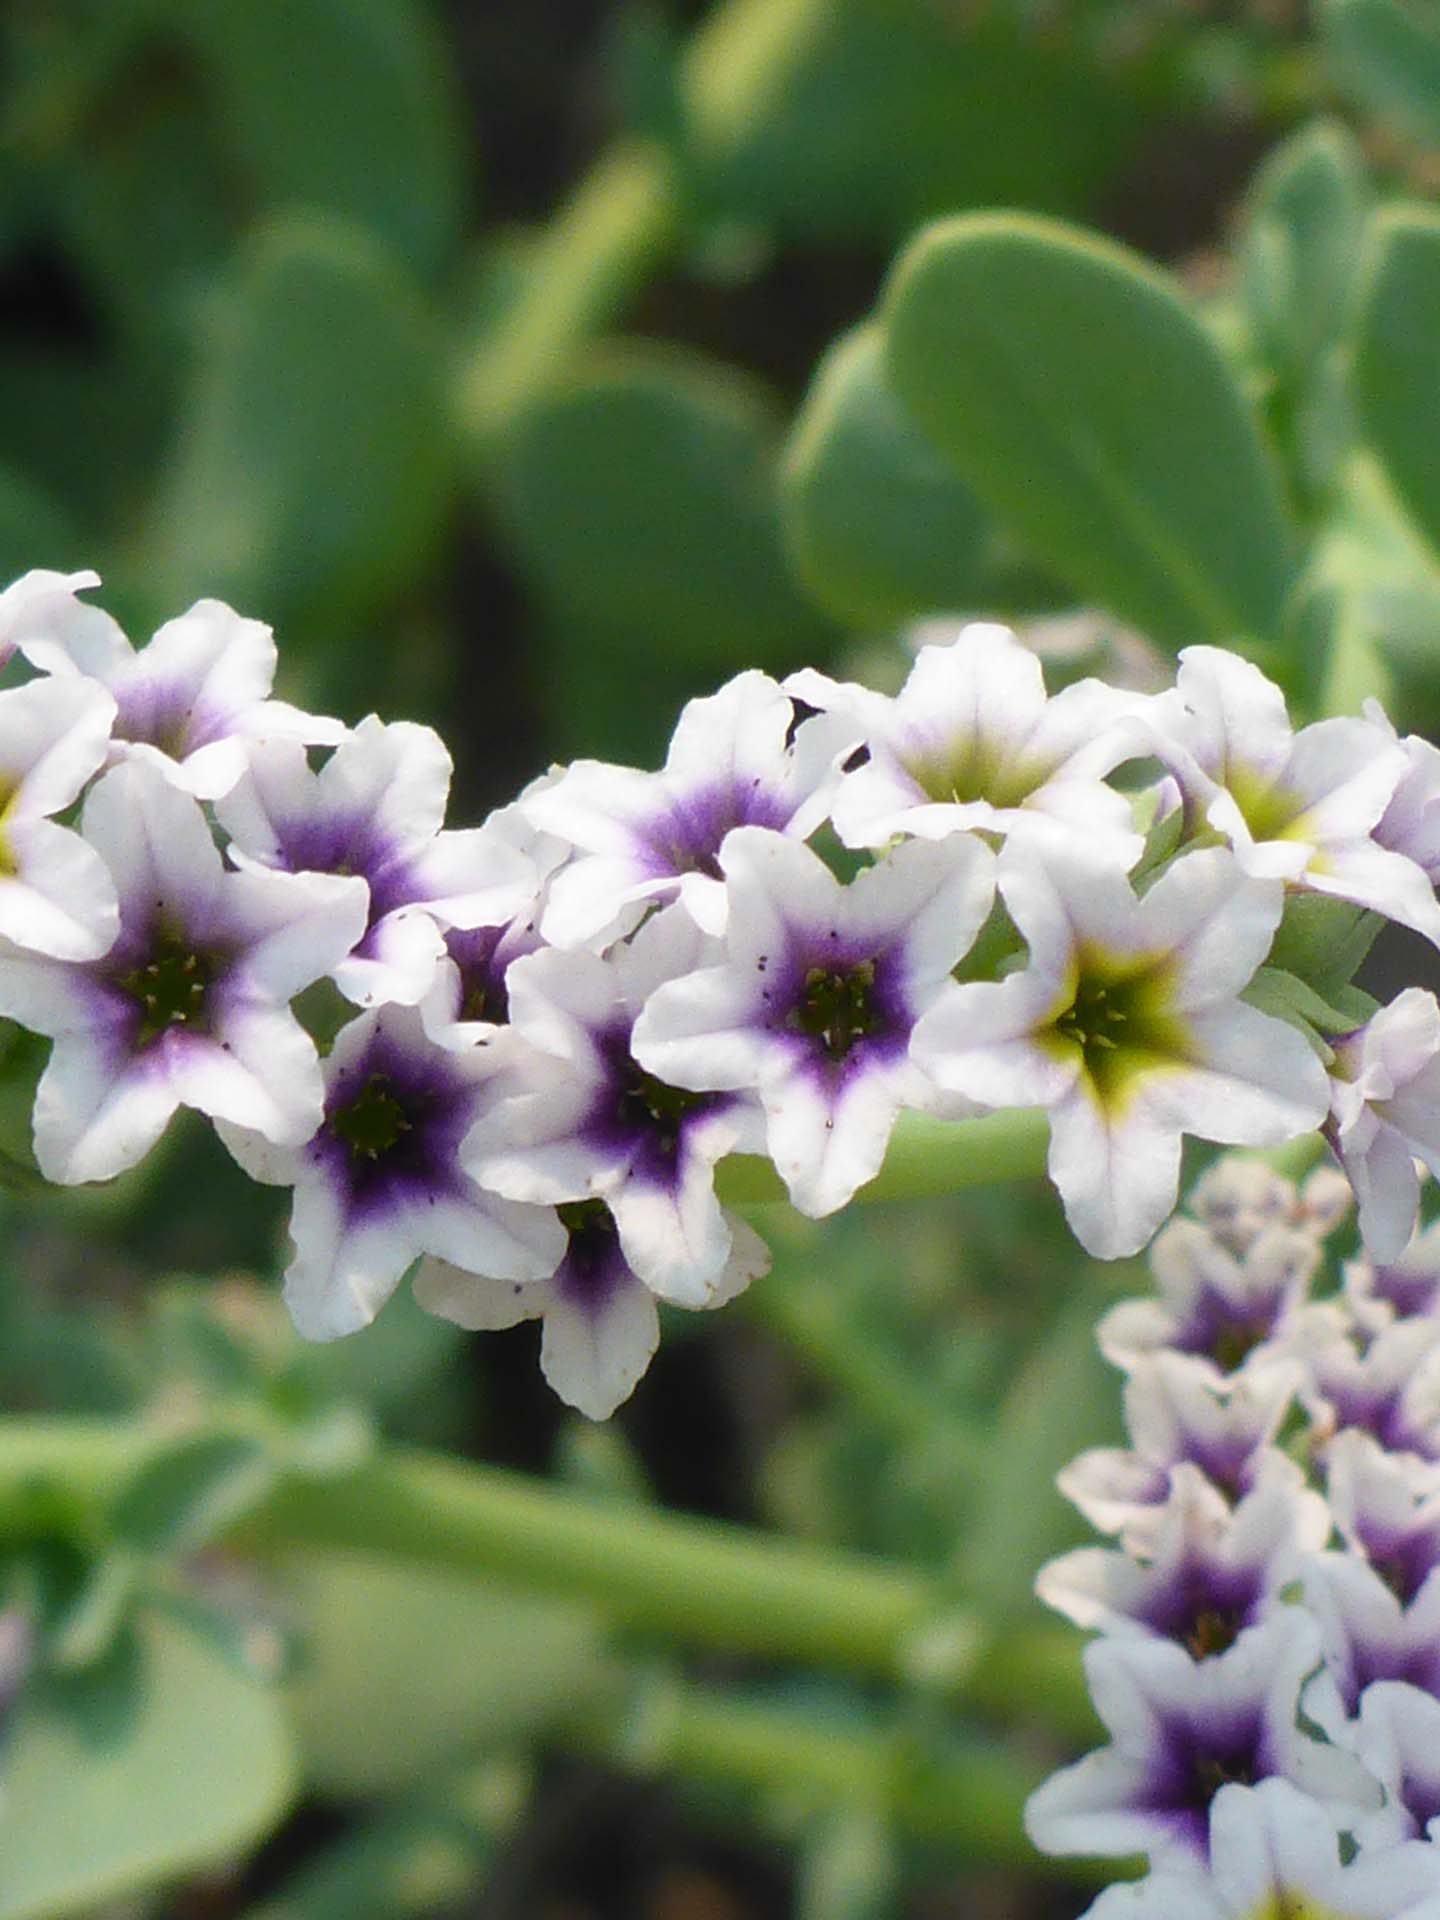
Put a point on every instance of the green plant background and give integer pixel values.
(533, 368)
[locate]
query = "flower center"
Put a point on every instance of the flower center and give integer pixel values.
(837, 1008)
(1118, 1017)
(1212, 1631)
(374, 1122)
(9, 865)
(1270, 812)
(649, 1105)
(171, 989)
(977, 769)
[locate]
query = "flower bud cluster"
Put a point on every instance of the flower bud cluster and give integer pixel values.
(559, 1022)
(1267, 1651)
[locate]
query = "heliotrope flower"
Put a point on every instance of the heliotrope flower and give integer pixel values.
(587, 1122)
(815, 999)
(1385, 1110)
(972, 739)
(189, 702)
(55, 895)
(738, 758)
(1300, 807)
(376, 809)
(1398, 1738)
(600, 1322)
(1181, 1729)
(190, 1004)
(380, 1183)
(1275, 1854)
(1127, 1025)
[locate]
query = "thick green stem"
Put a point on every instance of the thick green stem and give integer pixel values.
(691, 1582)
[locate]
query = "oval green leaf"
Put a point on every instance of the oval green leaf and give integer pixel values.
(1073, 389)
(1397, 360)
(1386, 57)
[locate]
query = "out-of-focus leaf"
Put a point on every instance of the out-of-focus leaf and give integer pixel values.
(312, 476)
(1397, 360)
(404, 1669)
(1075, 391)
(642, 495)
(1386, 55)
(1298, 252)
(849, 1869)
(164, 1758)
(880, 526)
(185, 1495)
(348, 105)
(861, 117)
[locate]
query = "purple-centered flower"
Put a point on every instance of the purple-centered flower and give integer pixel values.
(1179, 1407)
(1213, 1302)
(1213, 1572)
(1397, 1289)
(376, 810)
(1384, 1381)
(190, 1004)
(1275, 1853)
(1183, 1729)
(1127, 1024)
(189, 703)
(1384, 1111)
(1387, 1508)
(55, 896)
(585, 1121)
(813, 1005)
(600, 1323)
(1398, 1738)
(380, 1182)
(972, 740)
(736, 759)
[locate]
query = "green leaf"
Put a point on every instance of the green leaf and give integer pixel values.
(642, 495)
(186, 1495)
(1323, 941)
(1397, 359)
(313, 473)
(163, 1759)
(405, 1668)
(346, 105)
(1077, 394)
(858, 118)
(1297, 257)
(879, 526)
(34, 530)
(1386, 56)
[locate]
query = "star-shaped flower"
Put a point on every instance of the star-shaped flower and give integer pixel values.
(1127, 1025)
(1384, 1111)
(190, 1004)
(814, 1002)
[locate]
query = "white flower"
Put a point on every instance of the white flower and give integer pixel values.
(814, 1003)
(1384, 1110)
(1368, 1632)
(972, 739)
(1127, 1025)
(1214, 1570)
(380, 1182)
(736, 759)
(1238, 1197)
(189, 702)
(1274, 1854)
(1387, 1507)
(1378, 1292)
(376, 809)
(1410, 824)
(595, 1125)
(1212, 1302)
(189, 1006)
(601, 1327)
(1299, 807)
(1399, 1740)
(1181, 1728)
(1181, 1408)
(55, 896)
(1383, 1380)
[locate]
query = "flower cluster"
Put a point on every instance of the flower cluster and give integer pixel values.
(1267, 1659)
(1138, 913)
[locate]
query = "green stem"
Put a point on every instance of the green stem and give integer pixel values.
(927, 1157)
(692, 1582)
